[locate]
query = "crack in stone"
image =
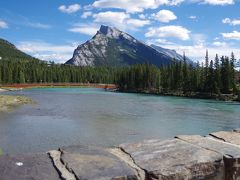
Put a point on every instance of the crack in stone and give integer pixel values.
(127, 158)
(62, 169)
(218, 138)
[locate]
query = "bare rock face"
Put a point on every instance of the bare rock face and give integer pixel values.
(27, 167)
(95, 163)
(175, 159)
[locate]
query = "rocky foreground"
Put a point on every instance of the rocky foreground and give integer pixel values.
(216, 156)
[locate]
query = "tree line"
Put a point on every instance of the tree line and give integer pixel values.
(35, 71)
(216, 76)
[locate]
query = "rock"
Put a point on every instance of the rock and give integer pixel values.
(175, 159)
(63, 171)
(209, 143)
(26, 167)
(231, 153)
(3, 90)
(237, 130)
(95, 163)
(227, 136)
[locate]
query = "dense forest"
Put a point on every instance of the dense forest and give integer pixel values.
(212, 77)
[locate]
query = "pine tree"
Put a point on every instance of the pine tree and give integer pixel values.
(185, 74)
(232, 72)
(217, 75)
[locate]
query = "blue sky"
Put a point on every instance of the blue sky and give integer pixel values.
(52, 29)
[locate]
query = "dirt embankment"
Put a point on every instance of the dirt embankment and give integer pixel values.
(18, 86)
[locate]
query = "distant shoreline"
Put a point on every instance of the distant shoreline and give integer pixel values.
(191, 95)
(113, 87)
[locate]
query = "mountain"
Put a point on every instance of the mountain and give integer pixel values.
(171, 53)
(9, 51)
(112, 47)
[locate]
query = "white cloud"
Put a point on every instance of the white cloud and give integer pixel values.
(131, 6)
(69, 9)
(197, 52)
(87, 29)
(232, 22)
(39, 25)
(47, 51)
(142, 16)
(111, 17)
(192, 17)
(219, 44)
(233, 35)
(86, 14)
(3, 25)
(178, 32)
(218, 2)
(137, 22)
(198, 39)
(164, 16)
(120, 20)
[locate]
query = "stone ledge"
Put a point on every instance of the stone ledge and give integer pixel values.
(216, 157)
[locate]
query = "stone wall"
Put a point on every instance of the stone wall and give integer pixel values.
(215, 156)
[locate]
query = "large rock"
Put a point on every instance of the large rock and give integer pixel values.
(231, 153)
(227, 136)
(95, 163)
(209, 143)
(175, 159)
(27, 167)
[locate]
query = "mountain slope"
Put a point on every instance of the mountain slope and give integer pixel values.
(9, 51)
(112, 47)
(171, 53)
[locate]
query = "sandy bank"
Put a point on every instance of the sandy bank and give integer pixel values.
(9, 102)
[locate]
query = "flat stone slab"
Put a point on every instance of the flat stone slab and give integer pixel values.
(228, 136)
(27, 167)
(95, 163)
(175, 159)
(237, 130)
(209, 143)
(231, 153)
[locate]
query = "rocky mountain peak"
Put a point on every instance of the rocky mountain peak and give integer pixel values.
(114, 33)
(113, 47)
(110, 31)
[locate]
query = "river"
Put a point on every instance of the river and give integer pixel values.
(89, 116)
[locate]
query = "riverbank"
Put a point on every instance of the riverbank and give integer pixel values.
(193, 95)
(113, 87)
(215, 156)
(7, 103)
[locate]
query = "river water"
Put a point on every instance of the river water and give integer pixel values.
(72, 116)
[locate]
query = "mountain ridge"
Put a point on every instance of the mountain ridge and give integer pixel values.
(9, 51)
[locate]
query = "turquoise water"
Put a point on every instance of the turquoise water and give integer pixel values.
(70, 116)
